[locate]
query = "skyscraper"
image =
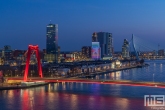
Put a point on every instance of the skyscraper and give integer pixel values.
(106, 43)
(125, 49)
(52, 41)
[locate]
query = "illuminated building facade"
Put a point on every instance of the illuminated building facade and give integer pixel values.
(6, 54)
(49, 57)
(67, 56)
(52, 41)
(95, 51)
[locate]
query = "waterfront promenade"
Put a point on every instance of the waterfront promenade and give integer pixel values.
(13, 81)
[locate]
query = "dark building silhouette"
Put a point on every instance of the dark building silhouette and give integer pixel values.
(161, 52)
(94, 37)
(86, 51)
(52, 41)
(125, 49)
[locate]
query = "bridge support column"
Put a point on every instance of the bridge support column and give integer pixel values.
(30, 49)
(137, 56)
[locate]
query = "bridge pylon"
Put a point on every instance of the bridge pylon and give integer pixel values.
(133, 44)
(36, 50)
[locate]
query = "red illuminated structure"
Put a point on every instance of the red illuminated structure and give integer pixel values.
(31, 49)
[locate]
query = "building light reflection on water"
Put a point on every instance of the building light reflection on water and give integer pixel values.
(161, 68)
(154, 64)
(105, 76)
(53, 87)
(49, 87)
(97, 77)
(154, 69)
(74, 101)
(123, 103)
(10, 93)
(110, 76)
(71, 85)
(115, 75)
(63, 86)
(90, 97)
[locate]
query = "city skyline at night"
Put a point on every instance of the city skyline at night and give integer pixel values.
(82, 54)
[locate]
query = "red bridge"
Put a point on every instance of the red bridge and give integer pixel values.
(36, 50)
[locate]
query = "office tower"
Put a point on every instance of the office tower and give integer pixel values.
(125, 49)
(52, 41)
(105, 41)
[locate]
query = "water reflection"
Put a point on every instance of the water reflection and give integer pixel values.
(161, 68)
(81, 96)
(74, 101)
(77, 96)
(115, 75)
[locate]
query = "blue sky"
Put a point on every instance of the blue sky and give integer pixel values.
(23, 22)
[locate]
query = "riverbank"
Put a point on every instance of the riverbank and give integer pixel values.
(13, 82)
(79, 75)
(110, 70)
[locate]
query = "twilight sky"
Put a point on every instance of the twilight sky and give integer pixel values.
(23, 22)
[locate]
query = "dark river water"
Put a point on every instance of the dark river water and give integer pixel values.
(83, 96)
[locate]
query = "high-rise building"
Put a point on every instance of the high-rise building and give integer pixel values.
(52, 41)
(106, 43)
(125, 49)
(86, 51)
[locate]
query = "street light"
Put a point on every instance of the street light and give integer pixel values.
(153, 77)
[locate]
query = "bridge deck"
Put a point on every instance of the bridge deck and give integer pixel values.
(82, 80)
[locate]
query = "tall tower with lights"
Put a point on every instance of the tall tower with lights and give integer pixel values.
(52, 40)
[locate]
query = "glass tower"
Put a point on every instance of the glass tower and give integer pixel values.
(52, 40)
